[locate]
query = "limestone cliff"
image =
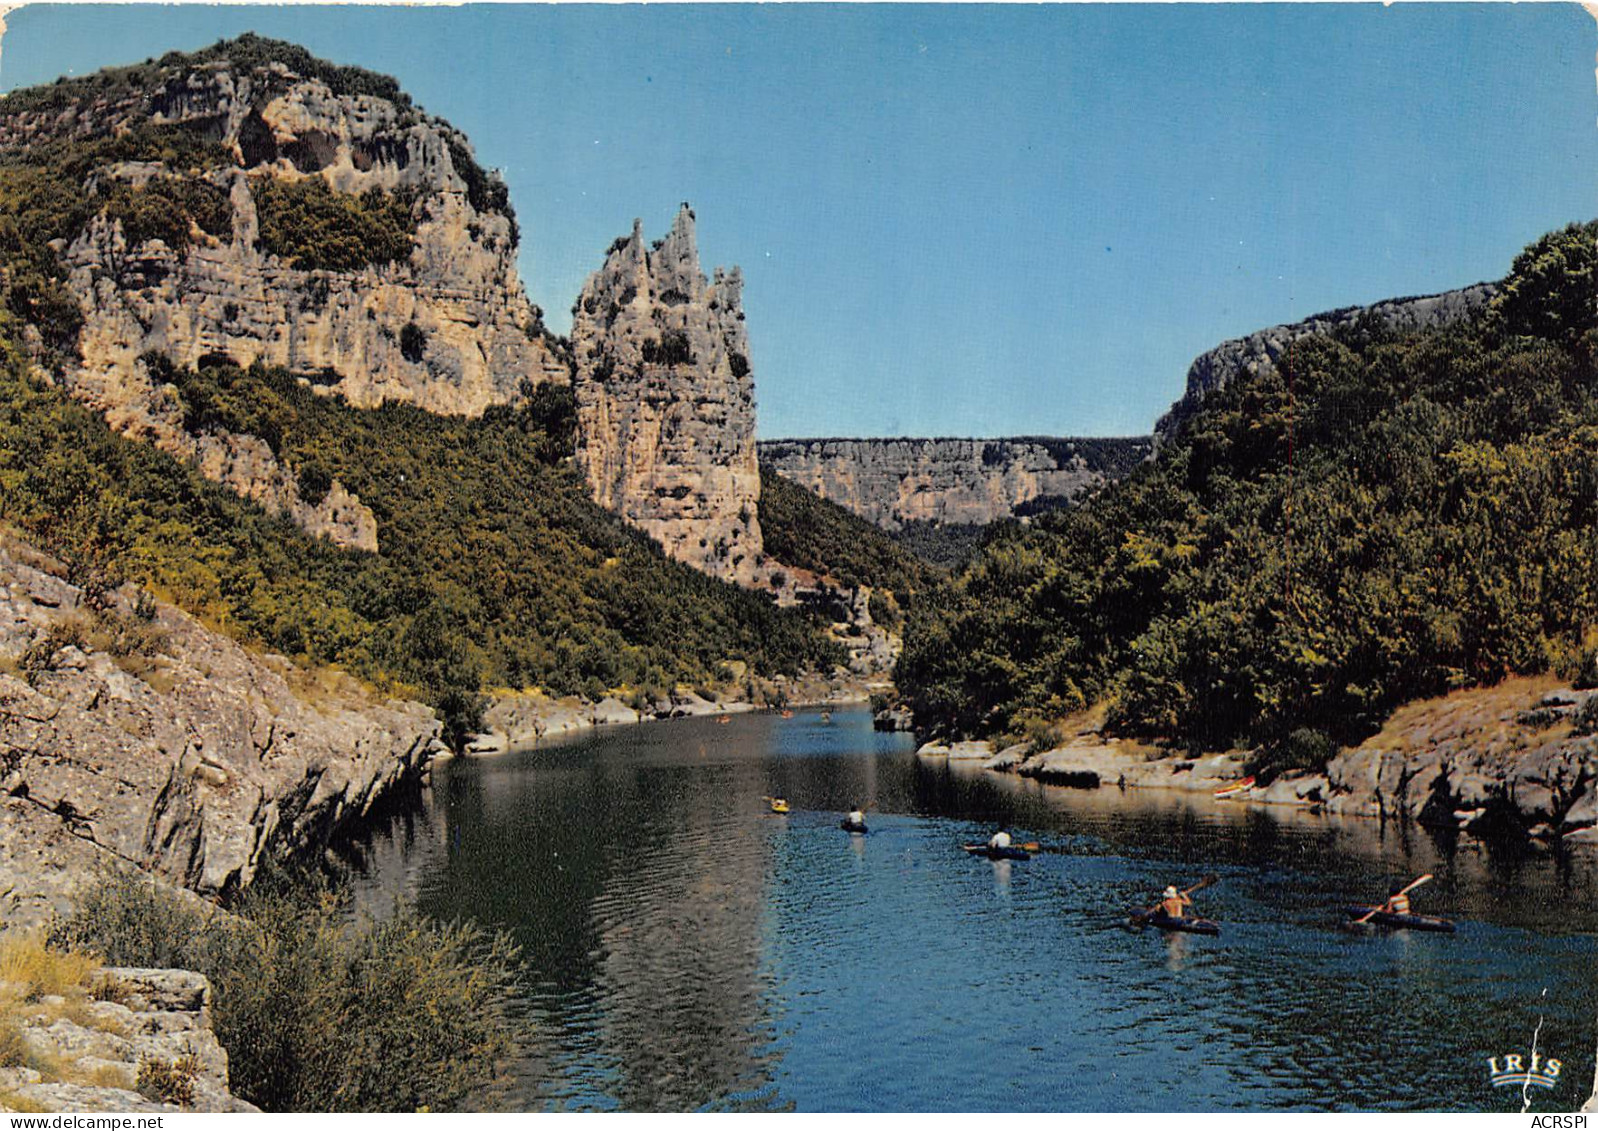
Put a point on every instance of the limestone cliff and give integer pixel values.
(135, 734)
(1218, 367)
(973, 482)
(440, 320)
(666, 401)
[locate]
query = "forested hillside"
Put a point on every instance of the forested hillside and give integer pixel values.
(805, 530)
(1381, 517)
(495, 569)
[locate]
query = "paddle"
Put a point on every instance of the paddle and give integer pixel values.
(1365, 918)
(1029, 846)
(1212, 878)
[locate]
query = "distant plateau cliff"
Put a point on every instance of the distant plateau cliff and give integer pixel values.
(950, 481)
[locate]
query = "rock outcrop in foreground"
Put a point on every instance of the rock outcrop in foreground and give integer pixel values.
(1219, 367)
(666, 401)
(149, 1022)
(135, 734)
(965, 482)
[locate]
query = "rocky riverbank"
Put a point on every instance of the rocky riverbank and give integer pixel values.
(136, 1041)
(1519, 760)
(130, 733)
(514, 720)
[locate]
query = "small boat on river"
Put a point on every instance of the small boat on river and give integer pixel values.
(1393, 921)
(849, 826)
(1008, 852)
(1186, 923)
(1233, 789)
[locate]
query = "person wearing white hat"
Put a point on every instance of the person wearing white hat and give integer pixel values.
(1175, 904)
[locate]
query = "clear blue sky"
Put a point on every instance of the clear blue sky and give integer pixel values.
(980, 220)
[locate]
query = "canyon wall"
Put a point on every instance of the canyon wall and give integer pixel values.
(970, 482)
(132, 734)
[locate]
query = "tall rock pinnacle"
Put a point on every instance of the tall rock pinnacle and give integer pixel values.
(666, 403)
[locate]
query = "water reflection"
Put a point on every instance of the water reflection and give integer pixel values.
(687, 949)
(1176, 944)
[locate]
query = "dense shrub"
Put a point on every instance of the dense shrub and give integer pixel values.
(314, 482)
(168, 210)
(1304, 749)
(413, 343)
(319, 1010)
(671, 348)
(168, 1081)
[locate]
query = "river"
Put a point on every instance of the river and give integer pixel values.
(686, 949)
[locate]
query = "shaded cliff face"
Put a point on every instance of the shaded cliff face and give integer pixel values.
(966, 482)
(136, 734)
(1246, 356)
(666, 402)
(253, 202)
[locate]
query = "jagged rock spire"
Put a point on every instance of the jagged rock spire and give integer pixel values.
(665, 400)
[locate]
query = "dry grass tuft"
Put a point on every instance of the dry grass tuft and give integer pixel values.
(22, 1104)
(14, 1049)
(110, 1076)
(107, 988)
(41, 971)
(168, 1081)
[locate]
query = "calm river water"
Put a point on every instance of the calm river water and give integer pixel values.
(685, 949)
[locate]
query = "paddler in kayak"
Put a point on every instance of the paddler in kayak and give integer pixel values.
(1397, 900)
(856, 820)
(1175, 904)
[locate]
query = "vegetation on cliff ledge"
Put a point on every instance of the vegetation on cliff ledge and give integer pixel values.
(313, 228)
(134, 91)
(1379, 518)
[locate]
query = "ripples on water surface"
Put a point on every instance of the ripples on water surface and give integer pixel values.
(686, 949)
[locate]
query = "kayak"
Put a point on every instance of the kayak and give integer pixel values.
(849, 826)
(1398, 922)
(1185, 923)
(1009, 853)
(779, 806)
(1236, 787)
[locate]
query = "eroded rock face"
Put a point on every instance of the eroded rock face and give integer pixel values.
(1480, 765)
(458, 286)
(244, 463)
(894, 481)
(189, 757)
(1220, 366)
(666, 401)
(446, 327)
